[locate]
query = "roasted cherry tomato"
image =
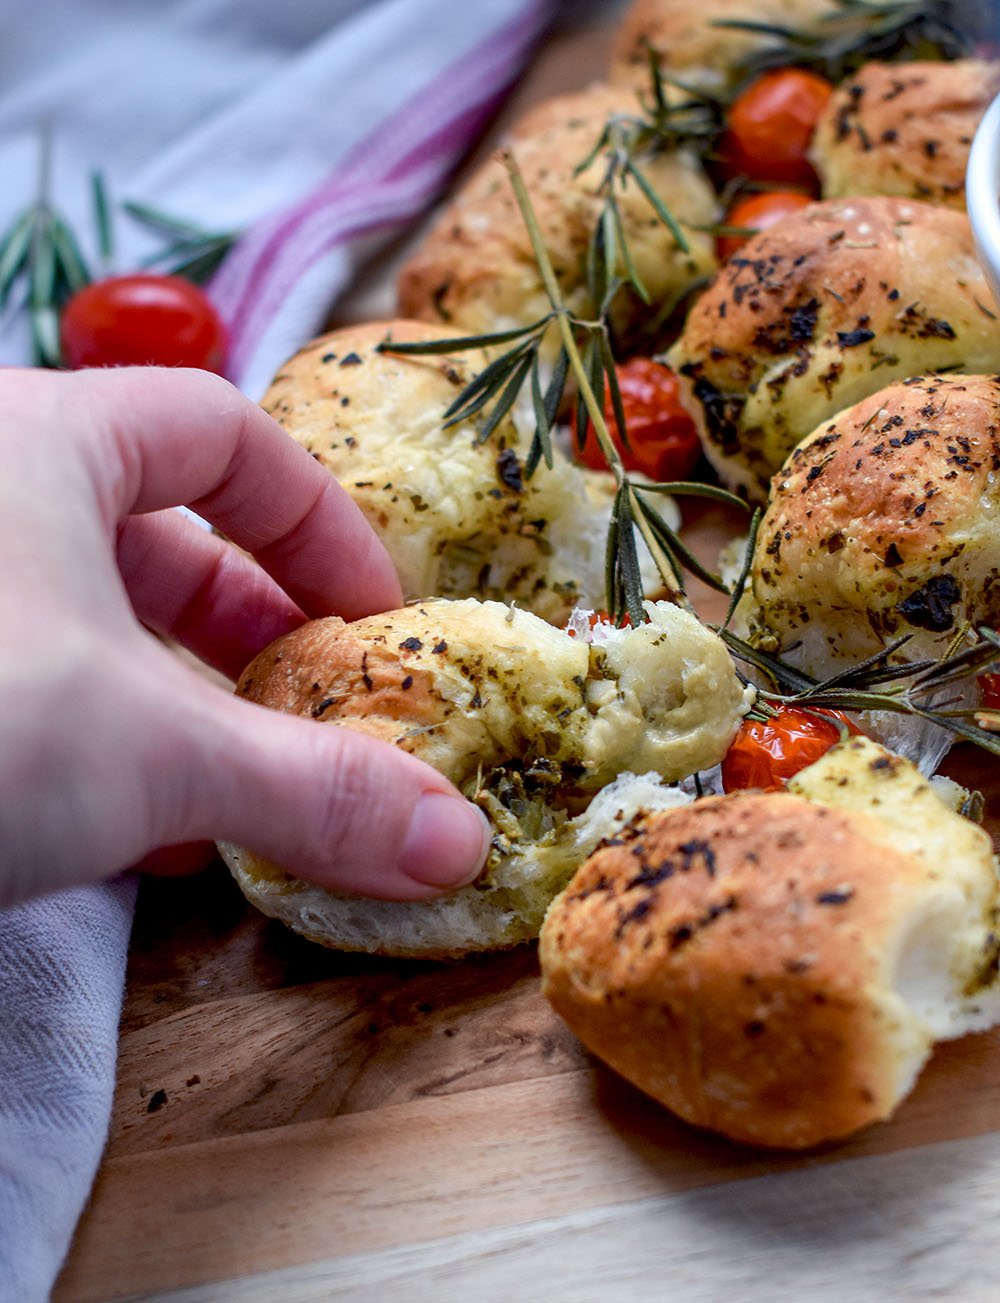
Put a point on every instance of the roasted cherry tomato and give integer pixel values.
(771, 124)
(758, 212)
(989, 690)
(142, 319)
(663, 440)
(765, 754)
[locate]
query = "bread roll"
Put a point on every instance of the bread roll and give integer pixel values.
(824, 308)
(689, 47)
(457, 515)
(903, 129)
(527, 720)
(885, 521)
(476, 269)
(777, 966)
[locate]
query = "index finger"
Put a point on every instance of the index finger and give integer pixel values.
(167, 437)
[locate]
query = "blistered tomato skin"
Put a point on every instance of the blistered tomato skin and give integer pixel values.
(989, 690)
(142, 320)
(771, 125)
(758, 212)
(767, 753)
(662, 437)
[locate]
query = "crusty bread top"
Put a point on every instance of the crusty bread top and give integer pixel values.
(885, 521)
(688, 45)
(903, 129)
(458, 515)
(476, 269)
(822, 309)
(467, 685)
(773, 967)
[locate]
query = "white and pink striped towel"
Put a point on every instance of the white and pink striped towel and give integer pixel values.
(318, 127)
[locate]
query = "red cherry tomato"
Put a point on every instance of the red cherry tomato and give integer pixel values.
(758, 212)
(771, 124)
(989, 690)
(135, 320)
(765, 754)
(663, 439)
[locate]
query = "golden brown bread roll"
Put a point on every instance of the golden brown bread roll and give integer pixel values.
(885, 521)
(903, 129)
(690, 48)
(777, 966)
(822, 309)
(526, 719)
(476, 270)
(457, 515)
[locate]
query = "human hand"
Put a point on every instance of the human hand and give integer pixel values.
(111, 746)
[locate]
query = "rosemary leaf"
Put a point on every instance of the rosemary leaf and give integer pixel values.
(740, 586)
(614, 388)
(508, 396)
(662, 212)
(582, 420)
(627, 564)
(460, 343)
(663, 536)
(546, 406)
(69, 259)
(14, 251)
(45, 342)
(163, 222)
(484, 386)
(695, 489)
(679, 550)
(102, 217)
(632, 276)
(42, 266)
(968, 732)
(778, 670)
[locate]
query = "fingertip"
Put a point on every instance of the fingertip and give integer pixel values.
(446, 843)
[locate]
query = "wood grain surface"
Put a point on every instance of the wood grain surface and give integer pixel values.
(295, 1124)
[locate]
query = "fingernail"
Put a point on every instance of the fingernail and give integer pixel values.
(446, 843)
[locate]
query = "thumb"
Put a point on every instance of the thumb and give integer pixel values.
(324, 802)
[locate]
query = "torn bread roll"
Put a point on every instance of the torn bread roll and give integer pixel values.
(527, 720)
(903, 129)
(458, 515)
(777, 966)
(885, 521)
(821, 310)
(690, 46)
(476, 270)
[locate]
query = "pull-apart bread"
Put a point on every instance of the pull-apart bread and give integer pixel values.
(476, 269)
(903, 129)
(821, 310)
(778, 966)
(457, 515)
(884, 522)
(689, 46)
(531, 722)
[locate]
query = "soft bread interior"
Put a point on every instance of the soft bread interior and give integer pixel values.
(544, 728)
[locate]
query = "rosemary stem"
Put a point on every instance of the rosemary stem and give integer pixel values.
(594, 408)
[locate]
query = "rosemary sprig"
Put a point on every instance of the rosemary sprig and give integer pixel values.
(878, 684)
(40, 256)
(626, 141)
(585, 353)
(42, 265)
(859, 30)
(193, 252)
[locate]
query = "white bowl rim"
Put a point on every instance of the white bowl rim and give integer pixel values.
(982, 188)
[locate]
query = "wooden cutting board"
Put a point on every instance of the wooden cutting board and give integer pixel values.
(298, 1124)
